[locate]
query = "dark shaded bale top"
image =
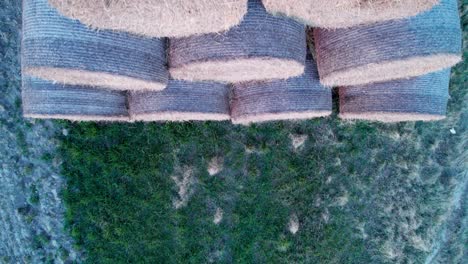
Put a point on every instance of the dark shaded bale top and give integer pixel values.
(65, 51)
(301, 97)
(420, 98)
(44, 99)
(182, 101)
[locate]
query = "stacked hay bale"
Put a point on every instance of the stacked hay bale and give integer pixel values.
(262, 47)
(156, 18)
(263, 59)
(347, 13)
(91, 63)
(44, 99)
(63, 50)
(182, 101)
(390, 50)
(300, 97)
(385, 71)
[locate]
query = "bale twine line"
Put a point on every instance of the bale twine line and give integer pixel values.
(63, 50)
(421, 98)
(391, 50)
(261, 47)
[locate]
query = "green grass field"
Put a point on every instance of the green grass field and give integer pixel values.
(354, 192)
(361, 192)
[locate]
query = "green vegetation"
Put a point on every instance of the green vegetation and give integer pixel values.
(34, 199)
(40, 240)
(362, 192)
(120, 191)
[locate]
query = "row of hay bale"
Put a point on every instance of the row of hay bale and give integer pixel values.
(396, 70)
(180, 101)
(232, 59)
(300, 97)
(181, 18)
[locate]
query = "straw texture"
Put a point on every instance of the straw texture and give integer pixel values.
(44, 99)
(182, 101)
(301, 97)
(391, 50)
(261, 47)
(63, 50)
(156, 18)
(346, 13)
(421, 98)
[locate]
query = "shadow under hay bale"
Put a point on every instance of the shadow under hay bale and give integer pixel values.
(156, 18)
(261, 47)
(392, 50)
(63, 50)
(301, 97)
(44, 99)
(421, 98)
(182, 101)
(346, 13)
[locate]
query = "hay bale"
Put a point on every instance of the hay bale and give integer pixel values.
(261, 47)
(156, 18)
(421, 98)
(347, 13)
(44, 99)
(182, 101)
(301, 97)
(63, 50)
(391, 50)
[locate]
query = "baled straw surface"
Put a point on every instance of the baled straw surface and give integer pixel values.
(65, 51)
(44, 99)
(420, 98)
(182, 101)
(301, 97)
(347, 13)
(390, 50)
(261, 47)
(156, 18)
